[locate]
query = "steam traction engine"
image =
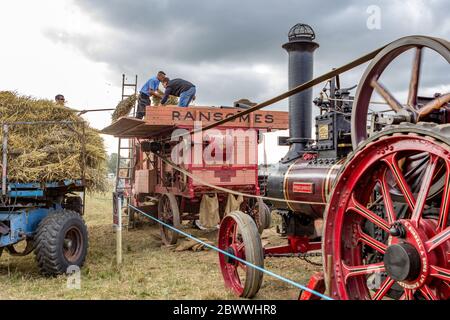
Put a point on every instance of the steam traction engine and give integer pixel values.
(371, 190)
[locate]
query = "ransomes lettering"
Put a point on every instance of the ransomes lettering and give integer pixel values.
(217, 116)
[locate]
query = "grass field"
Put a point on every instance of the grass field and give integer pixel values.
(149, 271)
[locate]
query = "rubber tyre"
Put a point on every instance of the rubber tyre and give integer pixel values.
(50, 240)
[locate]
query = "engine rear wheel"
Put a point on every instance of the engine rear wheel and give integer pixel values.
(239, 236)
(381, 248)
(368, 118)
(413, 110)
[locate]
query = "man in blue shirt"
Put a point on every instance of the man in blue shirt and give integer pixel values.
(150, 88)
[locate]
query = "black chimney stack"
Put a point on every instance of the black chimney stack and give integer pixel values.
(301, 49)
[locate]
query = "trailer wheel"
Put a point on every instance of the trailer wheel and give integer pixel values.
(73, 203)
(61, 241)
(169, 213)
(238, 235)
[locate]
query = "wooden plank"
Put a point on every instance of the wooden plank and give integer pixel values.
(145, 131)
(173, 115)
(132, 127)
(122, 125)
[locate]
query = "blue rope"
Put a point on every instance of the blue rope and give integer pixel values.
(270, 273)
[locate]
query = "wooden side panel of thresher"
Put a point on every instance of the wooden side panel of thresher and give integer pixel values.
(232, 164)
(145, 181)
(145, 174)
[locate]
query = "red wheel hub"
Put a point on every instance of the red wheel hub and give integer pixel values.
(381, 248)
(73, 244)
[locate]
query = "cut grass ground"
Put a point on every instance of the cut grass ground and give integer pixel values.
(149, 271)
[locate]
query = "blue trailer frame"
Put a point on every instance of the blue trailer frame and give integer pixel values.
(24, 205)
(23, 220)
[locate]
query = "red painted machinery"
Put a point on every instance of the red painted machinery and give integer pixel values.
(372, 189)
(225, 157)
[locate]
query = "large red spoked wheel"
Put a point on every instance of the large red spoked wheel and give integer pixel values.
(169, 213)
(413, 110)
(379, 248)
(238, 235)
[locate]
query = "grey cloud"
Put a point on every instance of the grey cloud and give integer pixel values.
(203, 40)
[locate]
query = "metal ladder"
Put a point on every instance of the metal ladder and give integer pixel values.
(125, 163)
(126, 85)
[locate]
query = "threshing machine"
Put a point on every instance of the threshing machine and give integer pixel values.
(156, 146)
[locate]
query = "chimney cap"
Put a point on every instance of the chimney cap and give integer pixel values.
(301, 31)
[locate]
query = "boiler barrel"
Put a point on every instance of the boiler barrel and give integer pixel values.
(308, 183)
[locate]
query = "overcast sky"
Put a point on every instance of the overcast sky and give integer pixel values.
(229, 49)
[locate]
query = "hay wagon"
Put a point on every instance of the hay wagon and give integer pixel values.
(45, 215)
(226, 157)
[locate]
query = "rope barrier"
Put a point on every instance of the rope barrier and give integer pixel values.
(270, 273)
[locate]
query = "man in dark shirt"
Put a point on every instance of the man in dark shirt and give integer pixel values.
(178, 88)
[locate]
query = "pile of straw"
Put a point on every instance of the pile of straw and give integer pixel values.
(172, 101)
(124, 107)
(50, 152)
(245, 102)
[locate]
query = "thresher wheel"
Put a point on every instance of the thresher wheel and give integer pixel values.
(261, 214)
(376, 247)
(370, 83)
(239, 236)
(169, 213)
(264, 215)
